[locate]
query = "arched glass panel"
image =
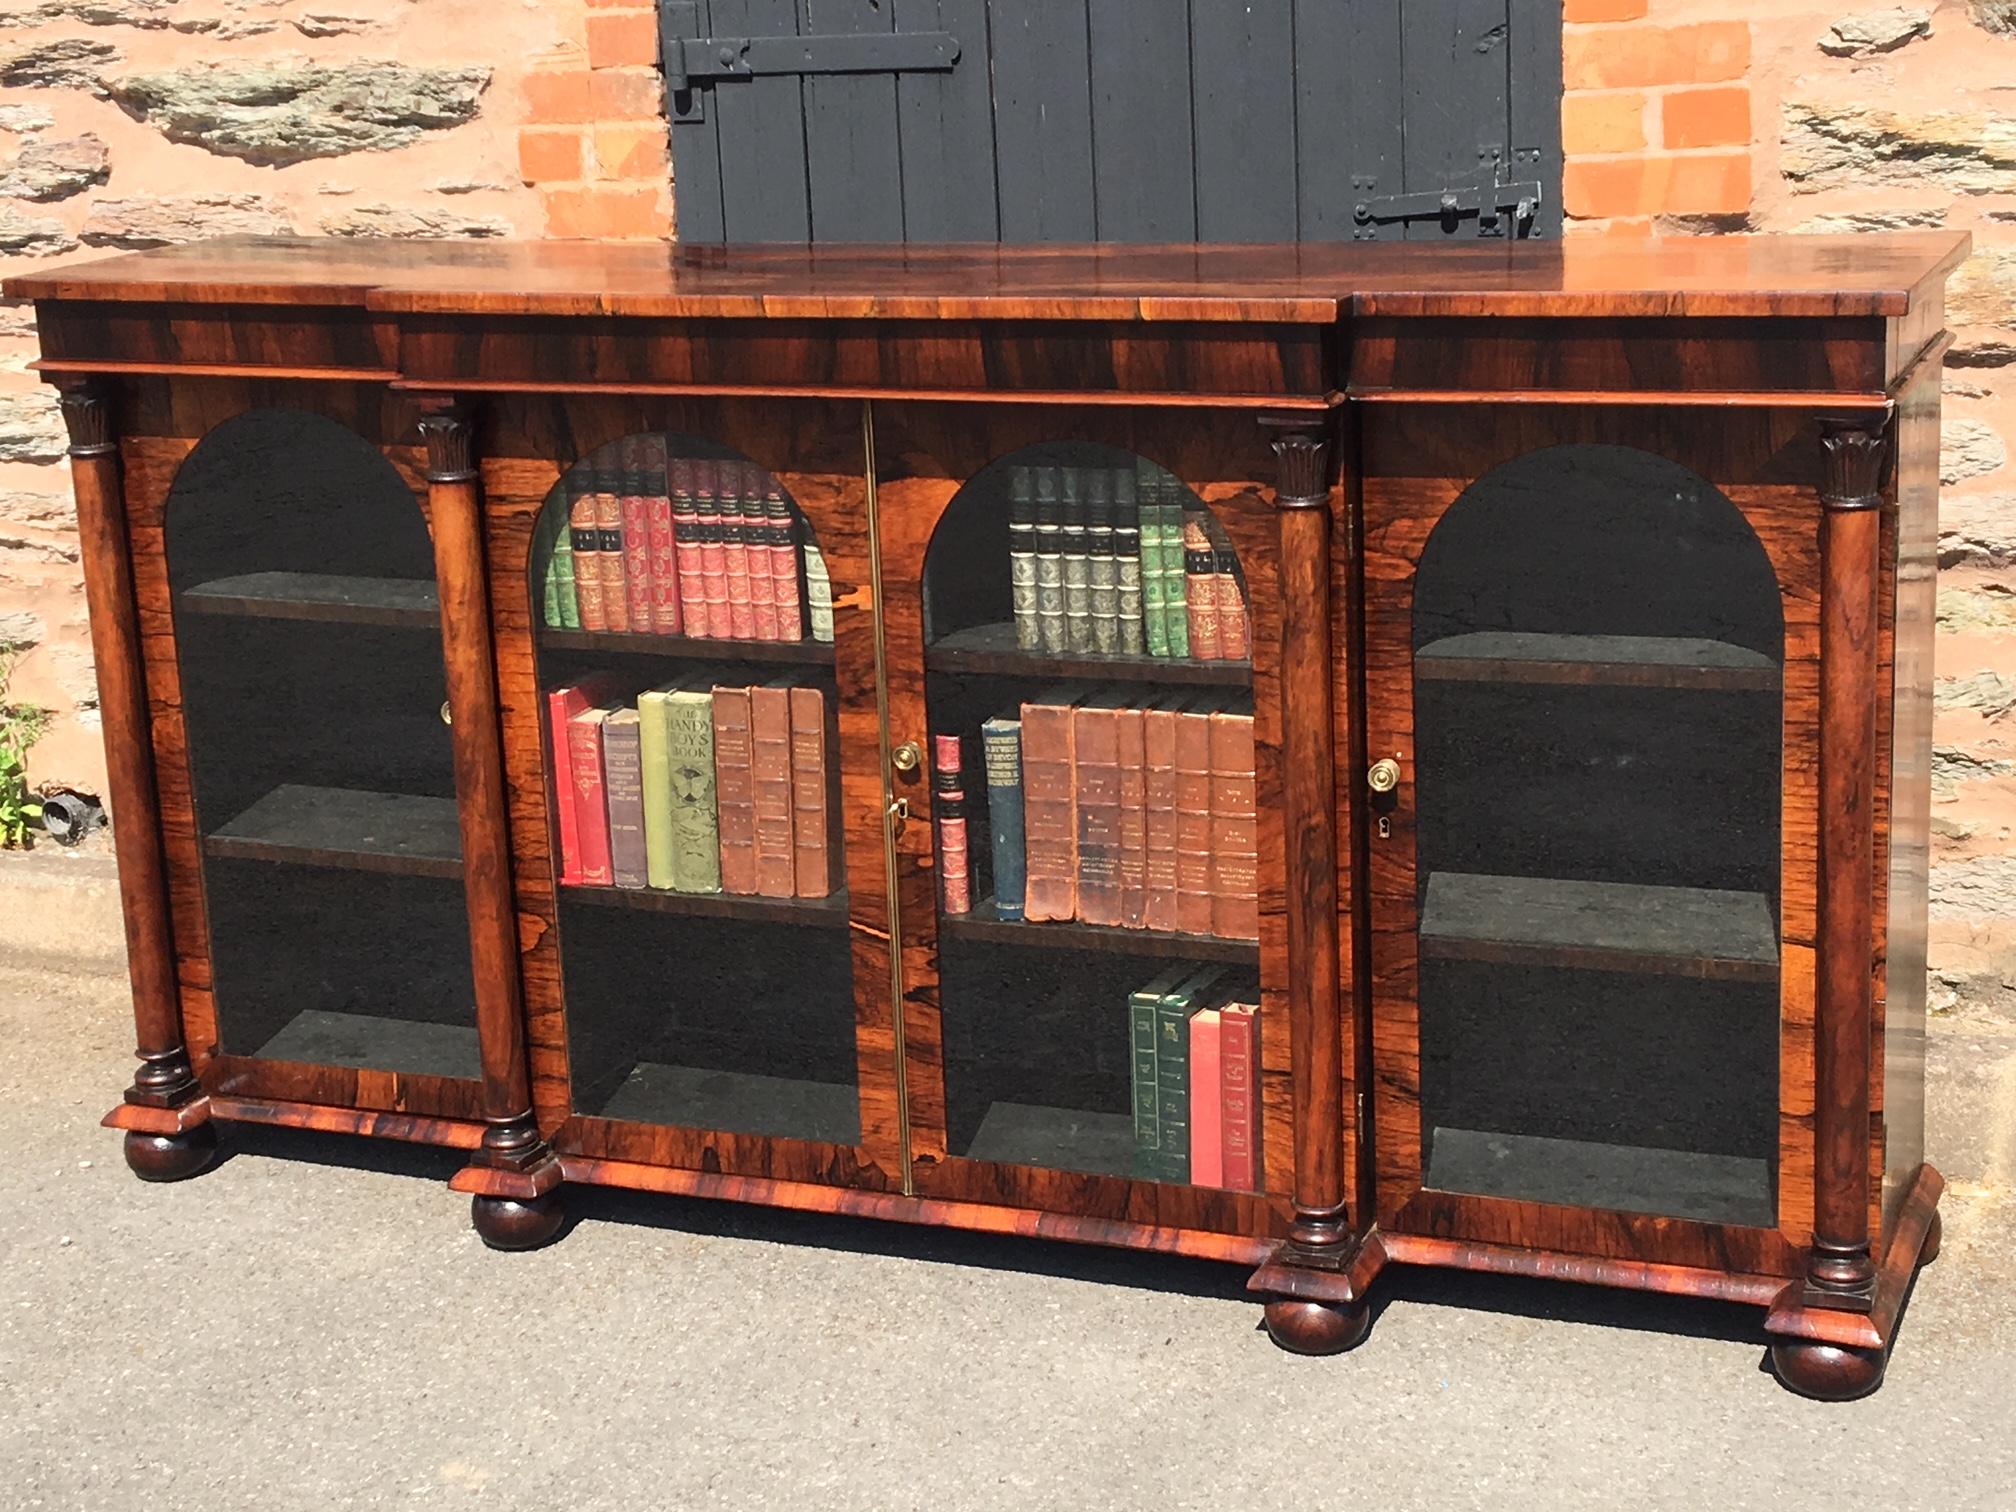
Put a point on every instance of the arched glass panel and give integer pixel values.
(308, 636)
(1089, 699)
(686, 659)
(1598, 647)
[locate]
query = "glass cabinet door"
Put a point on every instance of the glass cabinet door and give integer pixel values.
(690, 715)
(308, 639)
(1592, 792)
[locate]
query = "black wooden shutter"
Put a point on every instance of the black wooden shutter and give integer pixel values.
(1113, 120)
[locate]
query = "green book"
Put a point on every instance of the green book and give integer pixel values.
(1142, 1006)
(566, 611)
(1172, 1072)
(655, 762)
(1154, 594)
(689, 755)
(1175, 598)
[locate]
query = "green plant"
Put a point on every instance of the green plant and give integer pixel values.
(21, 725)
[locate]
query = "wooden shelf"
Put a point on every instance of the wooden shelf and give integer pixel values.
(410, 603)
(990, 651)
(370, 1042)
(1617, 1178)
(1056, 1139)
(805, 653)
(984, 924)
(829, 912)
(736, 1102)
(1615, 661)
(345, 828)
(1604, 926)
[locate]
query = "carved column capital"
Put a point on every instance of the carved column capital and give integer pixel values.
(87, 415)
(1302, 453)
(444, 425)
(1853, 449)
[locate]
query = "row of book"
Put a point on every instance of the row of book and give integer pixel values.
(1112, 807)
(696, 786)
(1195, 1036)
(657, 544)
(1105, 560)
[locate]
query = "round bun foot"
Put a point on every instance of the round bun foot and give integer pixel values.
(1828, 1372)
(504, 1223)
(1316, 1328)
(171, 1157)
(1929, 1250)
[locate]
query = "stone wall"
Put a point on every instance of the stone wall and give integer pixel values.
(129, 123)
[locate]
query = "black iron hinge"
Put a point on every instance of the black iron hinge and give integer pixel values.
(691, 60)
(1503, 207)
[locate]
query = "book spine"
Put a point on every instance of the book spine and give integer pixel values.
(586, 556)
(1237, 1054)
(560, 708)
(610, 554)
(591, 812)
(1127, 566)
(1174, 610)
(623, 785)
(1200, 588)
(1235, 632)
(664, 553)
(735, 790)
(563, 580)
(686, 550)
(1001, 750)
(689, 750)
(1158, 744)
(818, 595)
(813, 799)
(1101, 570)
(1235, 829)
(1096, 758)
(1193, 823)
(552, 531)
(1050, 620)
(756, 533)
(1049, 813)
(636, 504)
(1207, 1147)
(1077, 566)
(709, 528)
(1142, 1008)
(1172, 1090)
(1132, 731)
(770, 721)
(948, 813)
(730, 493)
(782, 534)
(1022, 559)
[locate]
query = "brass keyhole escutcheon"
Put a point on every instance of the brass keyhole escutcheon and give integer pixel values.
(907, 757)
(1384, 776)
(447, 714)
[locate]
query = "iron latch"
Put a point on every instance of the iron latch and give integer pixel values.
(1488, 199)
(690, 59)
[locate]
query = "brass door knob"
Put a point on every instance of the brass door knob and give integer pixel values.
(1384, 776)
(907, 757)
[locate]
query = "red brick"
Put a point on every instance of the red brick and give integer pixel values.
(626, 94)
(1602, 10)
(1612, 121)
(608, 210)
(1718, 117)
(630, 152)
(557, 96)
(1630, 57)
(1658, 183)
(551, 154)
(623, 39)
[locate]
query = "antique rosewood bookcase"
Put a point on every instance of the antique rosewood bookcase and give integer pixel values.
(1591, 606)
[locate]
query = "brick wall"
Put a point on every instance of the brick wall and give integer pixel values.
(541, 117)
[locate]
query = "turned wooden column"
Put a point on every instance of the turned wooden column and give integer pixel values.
(165, 1079)
(1319, 1235)
(511, 1137)
(1840, 1272)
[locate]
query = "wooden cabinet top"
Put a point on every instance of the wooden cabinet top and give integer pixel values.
(1798, 276)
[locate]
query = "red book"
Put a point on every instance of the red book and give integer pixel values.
(686, 558)
(1239, 1057)
(1207, 1150)
(1200, 587)
(781, 531)
(756, 549)
(735, 789)
(815, 794)
(770, 725)
(948, 814)
(1193, 819)
(1095, 739)
(1235, 829)
(711, 530)
(615, 567)
(1158, 742)
(636, 537)
(732, 492)
(1049, 808)
(591, 811)
(562, 704)
(663, 554)
(586, 538)
(1132, 728)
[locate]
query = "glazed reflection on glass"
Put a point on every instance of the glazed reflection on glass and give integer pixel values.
(308, 635)
(1598, 652)
(686, 669)
(1080, 605)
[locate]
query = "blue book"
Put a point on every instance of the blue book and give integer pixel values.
(1001, 750)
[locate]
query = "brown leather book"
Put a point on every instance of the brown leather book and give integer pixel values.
(609, 526)
(586, 538)
(735, 789)
(1193, 818)
(1158, 744)
(770, 723)
(1095, 734)
(1049, 805)
(1235, 829)
(1133, 816)
(815, 796)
